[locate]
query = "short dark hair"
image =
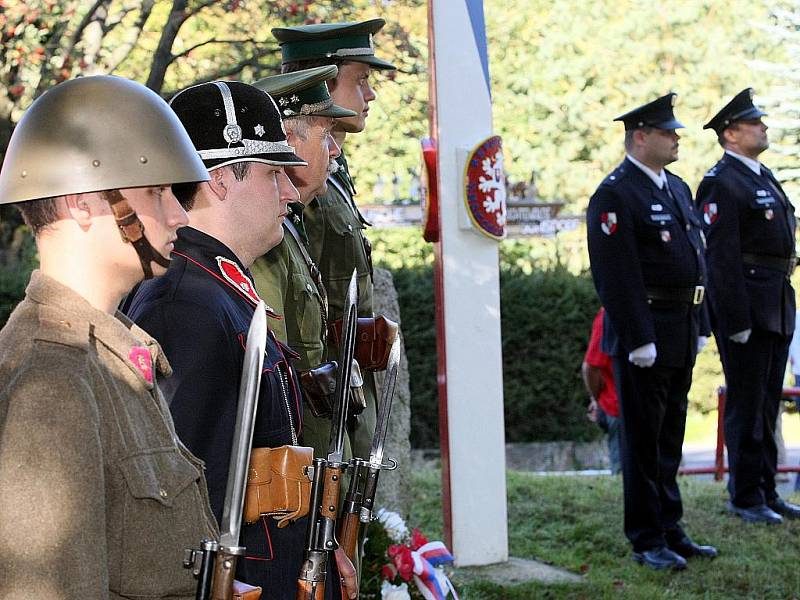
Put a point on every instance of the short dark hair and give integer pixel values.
(299, 65)
(38, 214)
(186, 192)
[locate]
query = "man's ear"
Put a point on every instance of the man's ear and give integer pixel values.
(218, 183)
(80, 209)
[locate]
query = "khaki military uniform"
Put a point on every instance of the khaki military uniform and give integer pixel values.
(335, 230)
(284, 281)
(98, 498)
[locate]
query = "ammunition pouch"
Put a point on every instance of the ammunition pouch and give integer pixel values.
(319, 388)
(374, 339)
(278, 484)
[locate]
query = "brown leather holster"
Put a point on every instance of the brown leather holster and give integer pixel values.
(374, 339)
(278, 484)
(319, 387)
(243, 591)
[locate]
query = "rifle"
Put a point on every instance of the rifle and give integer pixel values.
(214, 563)
(321, 537)
(360, 499)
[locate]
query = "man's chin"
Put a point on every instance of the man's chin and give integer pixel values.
(352, 124)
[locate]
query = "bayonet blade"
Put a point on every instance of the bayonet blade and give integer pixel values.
(346, 349)
(243, 433)
(385, 408)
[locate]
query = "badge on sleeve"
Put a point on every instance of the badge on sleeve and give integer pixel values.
(608, 222)
(234, 275)
(710, 213)
(665, 235)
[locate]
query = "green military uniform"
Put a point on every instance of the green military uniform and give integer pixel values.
(334, 225)
(335, 229)
(285, 282)
(88, 447)
(284, 277)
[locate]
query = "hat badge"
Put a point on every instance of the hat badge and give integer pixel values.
(259, 130)
(232, 133)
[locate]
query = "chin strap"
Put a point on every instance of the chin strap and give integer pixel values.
(132, 231)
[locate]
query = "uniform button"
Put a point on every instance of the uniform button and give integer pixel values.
(701, 278)
(752, 271)
(163, 493)
(613, 177)
(308, 287)
(349, 228)
(698, 251)
(688, 227)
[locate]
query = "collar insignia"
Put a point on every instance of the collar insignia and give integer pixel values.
(141, 359)
(234, 275)
(259, 130)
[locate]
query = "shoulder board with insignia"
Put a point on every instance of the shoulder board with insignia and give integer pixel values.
(615, 177)
(716, 169)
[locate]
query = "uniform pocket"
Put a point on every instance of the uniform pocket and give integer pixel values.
(308, 309)
(163, 514)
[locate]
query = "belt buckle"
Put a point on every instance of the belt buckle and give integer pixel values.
(699, 293)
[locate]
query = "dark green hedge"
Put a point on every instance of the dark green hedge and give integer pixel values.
(546, 313)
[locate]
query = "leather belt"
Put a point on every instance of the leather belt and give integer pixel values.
(778, 263)
(689, 295)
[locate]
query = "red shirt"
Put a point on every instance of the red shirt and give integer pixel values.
(597, 358)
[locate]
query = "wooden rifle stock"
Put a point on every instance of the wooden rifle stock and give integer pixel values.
(310, 590)
(224, 571)
(349, 524)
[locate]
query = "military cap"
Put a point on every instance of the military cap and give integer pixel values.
(304, 93)
(657, 113)
(75, 138)
(740, 108)
(231, 121)
(345, 41)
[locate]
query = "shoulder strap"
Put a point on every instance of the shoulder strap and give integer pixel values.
(313, 271)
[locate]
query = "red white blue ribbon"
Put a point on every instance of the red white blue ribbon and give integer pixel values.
(432, 583)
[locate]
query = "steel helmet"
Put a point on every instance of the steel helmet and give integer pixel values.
(96, 133)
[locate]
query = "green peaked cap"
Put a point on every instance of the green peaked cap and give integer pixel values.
(304, 93)
(343, 41)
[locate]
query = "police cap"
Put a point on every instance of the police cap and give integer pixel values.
(231, 121)
(740, 108)
(343, 41)
(304, 93)
(657, 113)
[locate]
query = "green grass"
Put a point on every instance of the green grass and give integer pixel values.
(576, 523)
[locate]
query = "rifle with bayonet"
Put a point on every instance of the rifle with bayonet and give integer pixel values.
(214, 563)
(321, 539)
(360, 498)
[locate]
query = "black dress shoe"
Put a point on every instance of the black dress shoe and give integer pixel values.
(760, 513)
(688, 549)
(787, 509)
(660, 558)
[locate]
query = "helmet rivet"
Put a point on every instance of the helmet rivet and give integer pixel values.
(95, 163)
(143, 159)
(23, 174)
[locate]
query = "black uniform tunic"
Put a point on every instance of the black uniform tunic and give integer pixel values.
(200, 311)
(749, 225)
(646, 243)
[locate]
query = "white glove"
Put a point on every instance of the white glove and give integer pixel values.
(742, 336)
(702, 340)
(643, 356)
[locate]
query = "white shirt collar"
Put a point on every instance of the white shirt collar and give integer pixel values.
(751, 164)
(658, 178)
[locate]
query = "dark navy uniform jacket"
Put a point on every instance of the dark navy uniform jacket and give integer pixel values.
(200, 312)
(747, 213)
(639, 238)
